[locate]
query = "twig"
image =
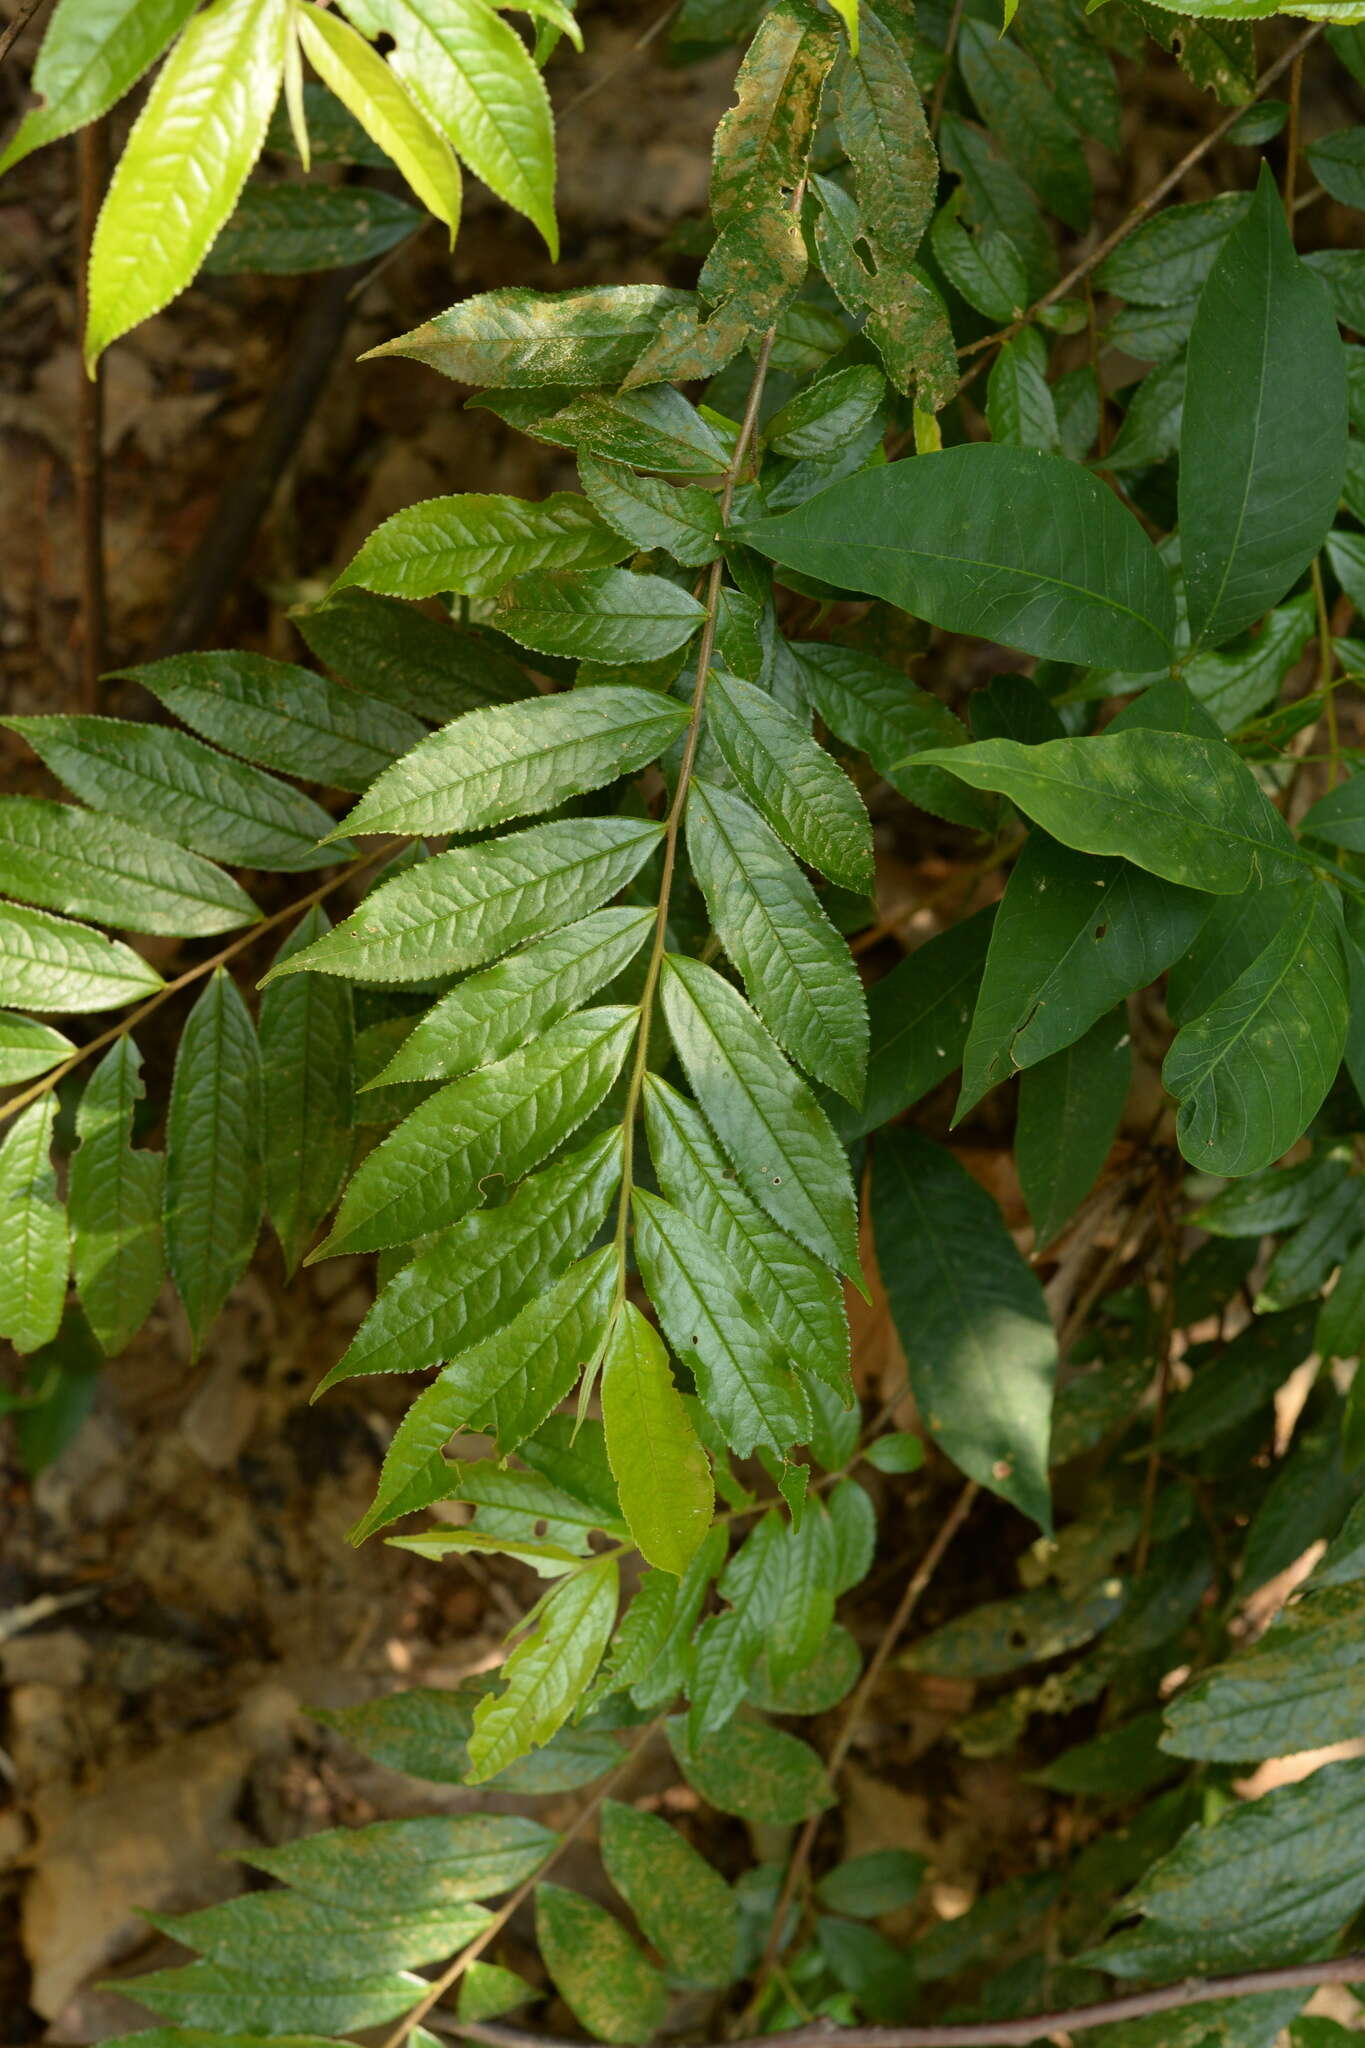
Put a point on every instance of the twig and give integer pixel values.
(914, 1591)
(941, 86)
(1148, 202)
(1000, 2033)
(1163, 1386)
(10, 36)
(1291, 140)
(92, 161)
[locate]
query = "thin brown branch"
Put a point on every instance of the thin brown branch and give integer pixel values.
(10, 35)
(92, 163)
(941, 85)
(1000, 2033)
(1291, 141)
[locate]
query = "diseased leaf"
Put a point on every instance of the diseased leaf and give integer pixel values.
(475, 544)
(659, 1466)
(213, 1153)
(307, 1062)
(92, 866)
(1006, 543)
(90, 57)
(805, 797)
(218, 1999)
(49, 963)
(261, 1931)
(759, 1773)
(970, 1317)
(1299, 1687)
(597, 1969)
(610, 615)
(1021, 113)
(684, 1906)
(1069, 1110)
(424, 1732)
(548, 1672)
(33, 1271)
(115, 1197)
(517, 339)
(436, 1860)
(651, 429)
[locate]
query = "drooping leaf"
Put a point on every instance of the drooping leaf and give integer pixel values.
(214, 1131)
(797, 969)
(96, 866)
(1006, 543)
(596, 1967)
(805, 797)
(1069, 1110)
(280, 716)
(548, 1672)
(683, 1905)
(1260, 473)
(783, 1149)
(201, 799)
(49, 963)
(307, 1061)
(659, 1466)
(399, 655)
(756, 1772)
(517, 339)
(609, 615)
(475, 544)
(472, 903)
(89, 58)
(33, 1271)
(201, 129)
(516, 759)
(970, 1317)
(28, 1048)
(115, 1196)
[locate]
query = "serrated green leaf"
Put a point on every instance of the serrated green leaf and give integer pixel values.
(1072, 937)
(1252, 1071)
(49, 963)
(985, 267)
(1177, 804)
(516, 759)
(89, 58)
(507, 1382)
(1006, 543)
(652, 514)
(683, 1906)
(596, 1968)
(548, 1672)
(28, 1048)
(798, 971)
(717, 1328)
(399, 655)
(1005, 1635)
(199, 798)
(476, 543)
(281, 716)
(805, 797)
(201, 129)
(550, 1560)
(472, 903)
(820, 420)
(995, 197)
(363, 82)
(755, 1772)
(1166, 260)
(970, 1317)
(1020, 409)
(115, 1196)
(609, 615)
(500, 1120)
(1260, 477)
(279, 1934)
(1304, 1263)
(651, 429)
(287, 230)
(473, 77)
(1026, 121)
(518, 339)
(214, 1130)
(224, 2000)
(799, 1299)
(33, 1272)
(423, 1732)
(660, 1468)
(787, 1157)
(1300, 1687)
(434, 1861)
(307, 1059)
(92, 866)
(1069, 1110)
(494, 1011)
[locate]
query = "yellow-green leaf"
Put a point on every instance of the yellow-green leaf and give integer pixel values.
(659, 1465)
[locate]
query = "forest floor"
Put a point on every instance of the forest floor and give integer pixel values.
(176, 1589)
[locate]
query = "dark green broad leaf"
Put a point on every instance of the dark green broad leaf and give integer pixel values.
(1341, 1320)
(1020, 409)
(1277, 1199)
(28, 1048)
(882, 1881)
(268, 1931)
(308, 1069)
(1006, 1635)
(1166, 260)
(611, 615)
(500, 1120)
(799, 1299)
(919, 1015)
(660, 1468)
(199, 798)
(476, 542)
(335, 136)
(115, 1197)
(827, 414)
(787, 1157)
(1072, 937)
(433, 670)
(1302, 1686)
(1069, 1111)
(33, 1271)
(1076, 65)
(95, 866)
(1251, 1072)
(284, 229)
(1114, 1766)
(468, 905)
(598, 1971)
(797, 970)
(970, 1317)
(985, 267)
(434, 1861)
(1338, 818)
(214, 1130)
(51, 963)
(1342, 272)
(1240, 1383)
(1007, 543)
(652, 514)
(221, 1999)
(1175, 803)
(682, 1904)
(756, 1772)
(1263, 444)
(996, 199)
(517, 338)
(1338, 163)
(281, 716)
(803, 794)
(1150, 431)
(1305, 1261)
(874, 1970)
(1306, 1501)
(1021, 112)
(424, 1733)
(89, 58)
(514, 760)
